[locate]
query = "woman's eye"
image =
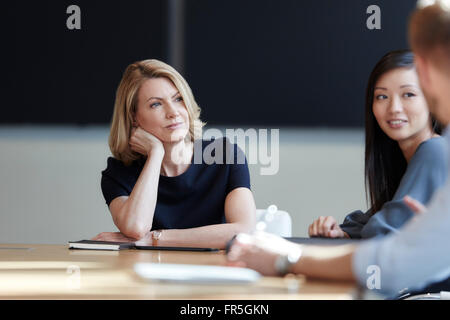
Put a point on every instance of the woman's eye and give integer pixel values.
(409, 95)
(381, 97)
(178, 99)
(154, 105)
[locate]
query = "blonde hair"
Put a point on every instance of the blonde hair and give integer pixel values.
(429, 30)
(125, 105)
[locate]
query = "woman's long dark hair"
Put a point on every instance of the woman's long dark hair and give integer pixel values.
(385, 164)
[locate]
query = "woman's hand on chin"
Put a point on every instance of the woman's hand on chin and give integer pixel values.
(144, 142)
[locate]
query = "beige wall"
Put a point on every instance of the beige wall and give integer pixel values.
(50, 180)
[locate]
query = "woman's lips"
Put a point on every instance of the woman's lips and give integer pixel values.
(175, 125)
(397, 123)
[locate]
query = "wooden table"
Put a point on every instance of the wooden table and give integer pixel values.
(55, 272)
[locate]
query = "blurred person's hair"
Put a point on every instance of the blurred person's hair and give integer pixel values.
(385, 163)
(429, 31)
(126, 102)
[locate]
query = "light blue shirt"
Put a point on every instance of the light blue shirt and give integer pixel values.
(414, 257)
(426, 172)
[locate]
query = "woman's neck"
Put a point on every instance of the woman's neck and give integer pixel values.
(177, 158)
(410, 145)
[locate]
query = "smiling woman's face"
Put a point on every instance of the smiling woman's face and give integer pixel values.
(399, 105)
(161, 110)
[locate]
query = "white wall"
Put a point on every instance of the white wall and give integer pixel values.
(50, 180)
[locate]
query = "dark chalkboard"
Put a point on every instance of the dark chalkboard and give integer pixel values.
(287, 62)
(58, 75)
(249, 62)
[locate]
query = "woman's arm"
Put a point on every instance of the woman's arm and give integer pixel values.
(133, 215)
(240, 213)
(426, 173)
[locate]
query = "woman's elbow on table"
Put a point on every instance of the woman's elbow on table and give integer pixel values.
(131, 228)
(136, 230)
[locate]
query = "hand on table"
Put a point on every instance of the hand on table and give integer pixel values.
(112, 236)
(326, 227)
(258, 252)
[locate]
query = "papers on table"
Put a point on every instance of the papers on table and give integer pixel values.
(195, 273)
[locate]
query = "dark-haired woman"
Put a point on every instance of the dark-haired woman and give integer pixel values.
(404, 153)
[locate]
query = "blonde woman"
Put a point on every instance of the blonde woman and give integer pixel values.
(155, 191)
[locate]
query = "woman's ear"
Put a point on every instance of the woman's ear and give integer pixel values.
(134, 121)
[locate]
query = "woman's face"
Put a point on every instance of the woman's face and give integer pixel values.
(399, 105)
(161, 110)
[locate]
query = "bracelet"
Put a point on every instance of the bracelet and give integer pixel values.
(156, 235)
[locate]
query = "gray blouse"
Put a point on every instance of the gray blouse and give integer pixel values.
(426, 172)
